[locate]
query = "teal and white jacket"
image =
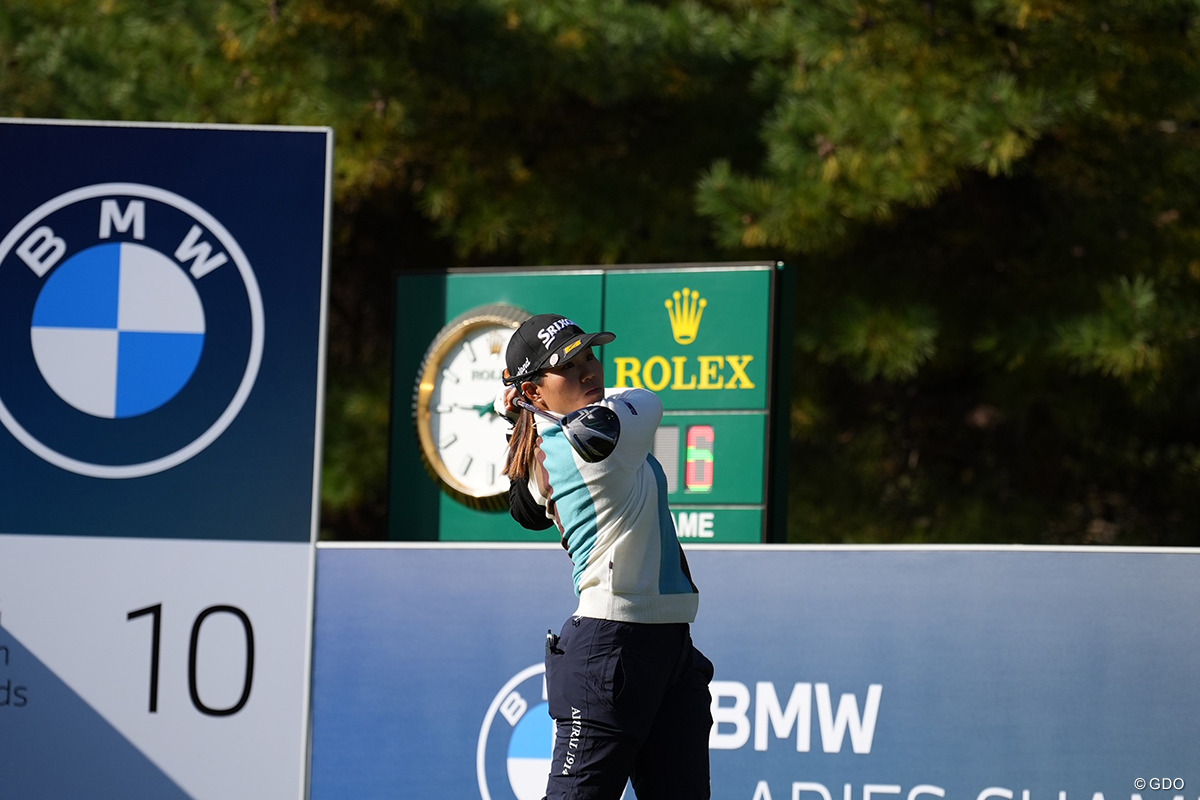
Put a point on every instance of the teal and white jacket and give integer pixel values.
(614, 519)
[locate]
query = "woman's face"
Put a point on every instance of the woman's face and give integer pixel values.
(578, 383)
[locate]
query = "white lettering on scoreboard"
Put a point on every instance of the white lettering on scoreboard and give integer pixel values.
(694, 524)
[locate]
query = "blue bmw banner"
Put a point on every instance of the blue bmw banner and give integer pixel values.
(841, 673)
(162, 296)
(160, 312)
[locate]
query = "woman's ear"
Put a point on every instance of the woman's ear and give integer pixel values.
(533, 393)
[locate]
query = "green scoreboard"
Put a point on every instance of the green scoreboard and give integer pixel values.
(712, 340)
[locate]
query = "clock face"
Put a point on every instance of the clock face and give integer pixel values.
(462, 437)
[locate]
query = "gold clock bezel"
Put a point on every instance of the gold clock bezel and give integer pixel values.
(446, 340)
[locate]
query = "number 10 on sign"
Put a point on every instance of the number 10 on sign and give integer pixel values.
(155, 612)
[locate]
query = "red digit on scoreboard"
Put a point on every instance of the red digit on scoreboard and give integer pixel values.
(699, 476)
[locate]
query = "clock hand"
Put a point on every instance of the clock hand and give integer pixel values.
(482, 408)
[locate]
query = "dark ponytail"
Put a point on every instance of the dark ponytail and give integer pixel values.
(518, 463)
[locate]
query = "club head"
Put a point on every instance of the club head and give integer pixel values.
(592, 431)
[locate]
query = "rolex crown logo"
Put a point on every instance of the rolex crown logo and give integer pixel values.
(685, 310)
(495, 342)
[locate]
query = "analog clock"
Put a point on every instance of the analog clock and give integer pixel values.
(462, 438)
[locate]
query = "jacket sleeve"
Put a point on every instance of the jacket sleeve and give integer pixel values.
(525, 509)
(640, 411)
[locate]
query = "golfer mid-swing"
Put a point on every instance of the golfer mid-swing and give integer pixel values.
(627, 689)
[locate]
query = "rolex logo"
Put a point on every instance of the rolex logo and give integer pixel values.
(678, 373)
(685, 310)
(495, 343)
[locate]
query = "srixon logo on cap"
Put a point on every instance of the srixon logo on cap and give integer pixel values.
(548, 333)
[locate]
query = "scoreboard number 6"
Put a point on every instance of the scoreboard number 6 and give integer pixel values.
(698, 451)
(155, 613)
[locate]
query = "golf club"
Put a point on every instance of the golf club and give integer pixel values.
(591, 431)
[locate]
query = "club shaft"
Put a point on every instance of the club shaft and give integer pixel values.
(531, 407)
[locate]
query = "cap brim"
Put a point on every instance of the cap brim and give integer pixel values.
(600, 337)
(586, 341)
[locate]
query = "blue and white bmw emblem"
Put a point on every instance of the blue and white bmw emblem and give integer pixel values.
(516, 740)
(141, 332)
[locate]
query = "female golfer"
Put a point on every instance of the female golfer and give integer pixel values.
(627, 689)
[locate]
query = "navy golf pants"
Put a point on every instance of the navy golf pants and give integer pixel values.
(630, 701)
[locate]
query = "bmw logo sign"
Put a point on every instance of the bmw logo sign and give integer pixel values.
(516, 741)
(139, 333)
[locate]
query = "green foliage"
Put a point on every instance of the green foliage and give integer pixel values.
(999, 303)
(355, 457)
(880, 342)
(991, 203)
(1117, 339)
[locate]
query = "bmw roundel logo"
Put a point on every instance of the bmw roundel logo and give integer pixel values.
(516, 741)
(139, 334)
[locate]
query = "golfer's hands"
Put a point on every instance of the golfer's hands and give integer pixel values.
(505, 403)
